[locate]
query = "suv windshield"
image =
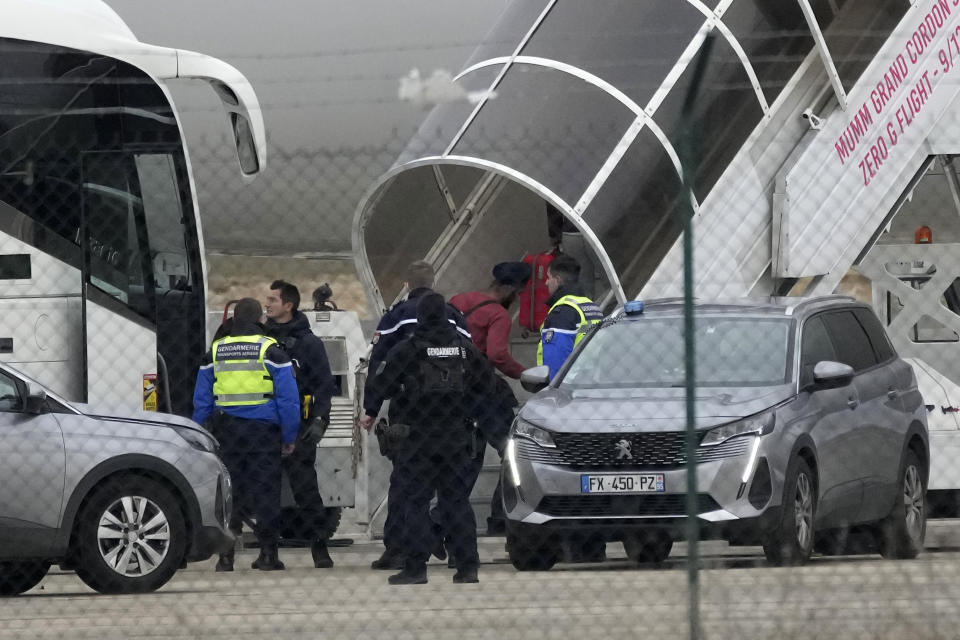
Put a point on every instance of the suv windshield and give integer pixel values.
(730, 352)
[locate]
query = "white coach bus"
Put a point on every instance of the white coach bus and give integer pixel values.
(102, 273)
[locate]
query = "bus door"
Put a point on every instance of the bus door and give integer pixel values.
(142, 297)
(118, 327)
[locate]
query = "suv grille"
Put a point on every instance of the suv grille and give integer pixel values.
(667, 504)
(662, 450)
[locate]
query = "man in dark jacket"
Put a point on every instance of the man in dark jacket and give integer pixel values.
(247, 394)
(439, 388)
(291, 329)
(396, 324)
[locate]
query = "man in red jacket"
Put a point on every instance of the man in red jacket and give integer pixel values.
(487, 317)
(489, 323)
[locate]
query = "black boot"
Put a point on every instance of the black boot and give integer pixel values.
(413, 573)
(225, 563)
(268, 559)
(389, 560)
(321, 557)
(466, 575)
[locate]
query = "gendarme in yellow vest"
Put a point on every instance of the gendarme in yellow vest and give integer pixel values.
(578, 303)
(241, 377)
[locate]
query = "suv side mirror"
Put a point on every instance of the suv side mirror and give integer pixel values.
(535, 379)
(36, 400)
(831, 375)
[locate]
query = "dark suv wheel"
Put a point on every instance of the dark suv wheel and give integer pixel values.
(903, 531)
(648, 547)
(131, 536)
(21, 575)
(527, 554)
(791, 542)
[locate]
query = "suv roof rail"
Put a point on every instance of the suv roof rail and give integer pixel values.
(789, 304)
(836, 297)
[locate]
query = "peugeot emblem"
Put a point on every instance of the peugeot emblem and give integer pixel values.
(623, 450)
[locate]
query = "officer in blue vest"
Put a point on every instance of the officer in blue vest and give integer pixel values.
(247, 391)
(570, 317)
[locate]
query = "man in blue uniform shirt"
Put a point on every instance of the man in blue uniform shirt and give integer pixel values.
(570, 317)
(247, 391)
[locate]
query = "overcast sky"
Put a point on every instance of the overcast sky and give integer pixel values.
(327, 74)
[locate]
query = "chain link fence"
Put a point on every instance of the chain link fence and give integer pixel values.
(692, 372)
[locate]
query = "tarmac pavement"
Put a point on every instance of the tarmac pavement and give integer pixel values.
(741, 597)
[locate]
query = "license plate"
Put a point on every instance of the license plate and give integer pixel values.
(622, 483)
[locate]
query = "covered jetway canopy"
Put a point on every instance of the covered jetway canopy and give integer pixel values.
(577, 104)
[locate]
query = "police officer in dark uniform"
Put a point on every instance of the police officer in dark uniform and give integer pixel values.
(439, 388)
(570, 317)
(397, 324)
(291, 330)
(246, 389)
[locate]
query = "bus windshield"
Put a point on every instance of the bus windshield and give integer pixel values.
(93, 172)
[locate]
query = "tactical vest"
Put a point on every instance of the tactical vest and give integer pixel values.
(585, 307)
(241, 377)
(442, 369)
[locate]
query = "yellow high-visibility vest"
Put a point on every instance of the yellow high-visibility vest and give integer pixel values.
(577, 302)
(241, 377)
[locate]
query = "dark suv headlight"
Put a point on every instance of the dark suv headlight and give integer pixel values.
(524, 429)
(755, 425)
(197, 439)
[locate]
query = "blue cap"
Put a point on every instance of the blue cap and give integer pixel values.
(633, 308)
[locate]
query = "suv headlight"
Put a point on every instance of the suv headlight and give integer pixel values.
(523, 429)
(196, 439)
(757, 425)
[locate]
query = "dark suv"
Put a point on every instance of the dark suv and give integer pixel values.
(809, 429)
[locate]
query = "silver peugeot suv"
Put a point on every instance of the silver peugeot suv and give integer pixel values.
(810, 434)
(123, 501)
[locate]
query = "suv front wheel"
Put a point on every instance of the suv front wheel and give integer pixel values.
(527, 554)
(647, 547)
(791, 542)
(131, 536)
(903, 531)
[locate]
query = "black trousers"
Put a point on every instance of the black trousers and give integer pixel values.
(496, 517)
(393, 527)
(444, 467)
(251, 453)
(300, 467)
(495, 520)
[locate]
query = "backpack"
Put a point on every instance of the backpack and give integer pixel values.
(533, 298)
